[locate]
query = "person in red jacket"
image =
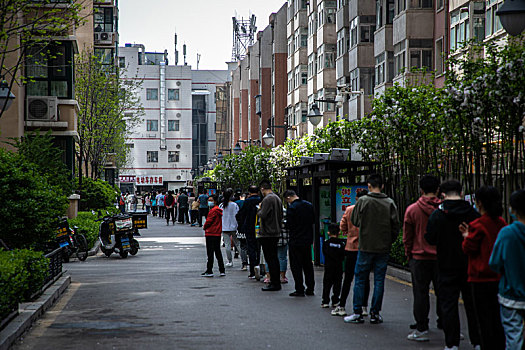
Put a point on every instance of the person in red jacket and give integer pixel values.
(212, 232)
(421, 255)
(479, 238)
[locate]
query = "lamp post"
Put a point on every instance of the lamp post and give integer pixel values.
(314, 116)
(268, 137)
(512, 16)
(6, 96)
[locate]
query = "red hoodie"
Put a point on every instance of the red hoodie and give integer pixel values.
(415, 227)
(478, 245)
(213, 224)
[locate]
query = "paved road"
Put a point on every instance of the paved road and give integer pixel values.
(157, 300)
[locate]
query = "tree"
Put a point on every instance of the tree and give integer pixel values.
(103, 125)
(27, 29)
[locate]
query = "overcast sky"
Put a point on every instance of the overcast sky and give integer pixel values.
(204, 25)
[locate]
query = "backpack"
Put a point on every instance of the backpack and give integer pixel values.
(169, 200)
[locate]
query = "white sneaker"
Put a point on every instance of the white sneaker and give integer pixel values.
(325, 306)
(418, 336)
(355, 318)
(229, 264)
(365, 311)
(339, 311)
(477, 347)
(452, 348)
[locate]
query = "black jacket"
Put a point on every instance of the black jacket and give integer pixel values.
(246, 215)
(443, 232)
(300, 218)
(183, 201)
(334, 252)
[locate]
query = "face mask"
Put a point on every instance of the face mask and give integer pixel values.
(211, 204)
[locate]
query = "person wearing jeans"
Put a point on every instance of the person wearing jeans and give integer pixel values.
(270, 214)
(376, 217)
(229, 224)
(246, 219)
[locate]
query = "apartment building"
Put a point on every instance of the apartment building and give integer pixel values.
(297, 64)
(258, 87)
(177, 134)
(47, 101)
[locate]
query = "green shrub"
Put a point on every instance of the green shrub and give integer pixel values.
(30, 204)
(22, 273)
(85, 221)
(397, 252)
(96, 194)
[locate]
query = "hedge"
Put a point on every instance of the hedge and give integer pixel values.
(86, 224)
(96, 194)
(22, 274)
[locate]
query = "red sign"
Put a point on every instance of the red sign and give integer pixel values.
(154, 180)
(126, 178)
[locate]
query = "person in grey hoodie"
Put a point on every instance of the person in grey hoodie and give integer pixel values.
(376, 216)
(270, 216)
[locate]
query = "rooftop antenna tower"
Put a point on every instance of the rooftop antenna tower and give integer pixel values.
(184, 53)
(198, 60)
(243, 36)
(176, 52)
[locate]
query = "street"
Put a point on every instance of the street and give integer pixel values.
(158, 300)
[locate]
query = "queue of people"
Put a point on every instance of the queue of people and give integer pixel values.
(459, 249)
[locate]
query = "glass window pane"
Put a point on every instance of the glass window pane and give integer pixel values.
(59, 88)
(37, 88)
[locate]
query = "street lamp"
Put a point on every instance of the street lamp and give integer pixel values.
(268, 137)
(314, 116)
(201, 169)
(512, 16)
(220, 157)
(237, 149)
(192, 173)
(6, 96)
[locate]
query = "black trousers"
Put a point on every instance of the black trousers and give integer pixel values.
(351, 259)
(301, 262)
(193, 215)
(213, 247)
(162, 211)
(269, 247)
(253, 252)
(170, 212)
(183, 215)
(423, 272)
(450, 285)
(332, 280)
(487, 313)
(202, 212)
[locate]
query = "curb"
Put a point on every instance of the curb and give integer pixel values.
(400, 274)
(30, 312)
(94, 250)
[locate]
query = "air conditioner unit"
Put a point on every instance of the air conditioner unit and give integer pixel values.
(104, 38)
(42, 108)
(319, 157)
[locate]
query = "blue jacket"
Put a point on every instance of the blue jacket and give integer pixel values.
(508, 259)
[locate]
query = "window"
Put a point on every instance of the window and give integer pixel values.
(173, 156)
(103, 19)
(152, 156)
(342, 42)
(421, 58)
(422, 4)
(312, 24)
(399, 57)
(152, 125)
(354, 79)
(439, 4)
(353, 31)
(367, 33)
(312, 65)
(50, 70)
(106, 56)
(291, 86)
(173, 94)
(400, 6)
(152, 94)
(440, 61)
(173, 125)
(122, 62)
(291, 46)
(380, 69)
(493, 23)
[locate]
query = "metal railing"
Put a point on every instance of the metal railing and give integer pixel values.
(55, 266)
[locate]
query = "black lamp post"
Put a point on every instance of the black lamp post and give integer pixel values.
(512, 16)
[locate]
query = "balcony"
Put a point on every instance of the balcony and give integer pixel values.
(383, 39)
(413, 24)
(361, 55)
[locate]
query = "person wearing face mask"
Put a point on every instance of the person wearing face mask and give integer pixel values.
(270, 215)
(212, 232)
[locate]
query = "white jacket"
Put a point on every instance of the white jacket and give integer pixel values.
(229, 222)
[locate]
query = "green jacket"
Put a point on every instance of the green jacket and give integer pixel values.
(376, 216)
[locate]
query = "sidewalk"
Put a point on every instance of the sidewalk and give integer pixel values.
(157, 299)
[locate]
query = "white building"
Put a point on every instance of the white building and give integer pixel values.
(177, 131)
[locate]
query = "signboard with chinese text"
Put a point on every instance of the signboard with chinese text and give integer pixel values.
(126, 178)
(345, 197)
(149, 180)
